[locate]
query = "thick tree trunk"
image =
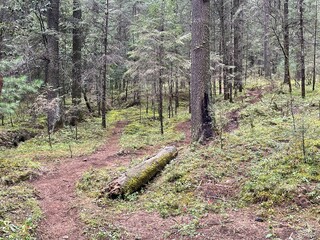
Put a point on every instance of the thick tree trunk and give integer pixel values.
(140, 175)
(52, 71)
(201, 122)
(76, 53)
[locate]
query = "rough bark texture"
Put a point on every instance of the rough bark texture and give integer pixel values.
(266, 44)
(161, 77)
(104, 82)
(140, 175)
(52, 71)
(237, 44)
(314, 49)
(302, 64)
(200, 65)
(287, 79)
(76, 53)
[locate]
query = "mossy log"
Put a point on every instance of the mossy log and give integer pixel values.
(141, 174)
(13, 138)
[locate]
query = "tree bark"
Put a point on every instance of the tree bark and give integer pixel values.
(1, 84)
(237, 45)
(104, 82)
(266, 44)
(315, 48)
(201, 122)
(140, 175)
(286, 44)
(76, 53)
(302, 63)
(52, 71)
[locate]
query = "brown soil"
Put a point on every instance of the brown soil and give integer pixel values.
(56, 189)
(61, 205)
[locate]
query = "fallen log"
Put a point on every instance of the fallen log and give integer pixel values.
(138, 176)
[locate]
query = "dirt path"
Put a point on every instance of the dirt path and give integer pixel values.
(56, 189)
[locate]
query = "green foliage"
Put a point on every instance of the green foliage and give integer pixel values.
(19, 212)
(146, 132)
(93, 181)
(14, 90)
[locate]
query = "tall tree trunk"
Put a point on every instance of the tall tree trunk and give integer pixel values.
(104, 81)
(201, 122)
(76, 53)
(286, 44)
(52, 71)
(315, 48)
(302, 64)
(266, 44)
(237, 44)
(161, 56)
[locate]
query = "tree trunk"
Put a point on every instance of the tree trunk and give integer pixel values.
(201, 121)
(266, 44)
(104, 81)
(315, 48)
(287, 79)
(52, 71)
(1, 84)
(237, 45)
(302, 64)
(161, 56)
(76, 53)
(140, 175)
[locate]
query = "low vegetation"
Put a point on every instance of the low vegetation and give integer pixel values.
(264, 157)
(270, 164)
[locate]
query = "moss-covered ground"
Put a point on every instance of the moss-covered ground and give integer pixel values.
(269, 163)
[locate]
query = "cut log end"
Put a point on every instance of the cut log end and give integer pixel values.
(140, 175)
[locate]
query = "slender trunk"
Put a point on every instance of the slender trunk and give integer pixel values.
(301, 26)
(315, 48)
(287, 79)
(161, 56)
(266, 44)
(104, 82)
(224, 50)
(237, 45)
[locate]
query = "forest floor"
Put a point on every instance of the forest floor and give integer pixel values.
(56, 188)
(249, 182)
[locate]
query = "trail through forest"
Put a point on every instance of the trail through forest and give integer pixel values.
(56, 189)
(58, 199)
(57, 193)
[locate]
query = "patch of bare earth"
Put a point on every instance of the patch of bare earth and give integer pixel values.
(56, 189)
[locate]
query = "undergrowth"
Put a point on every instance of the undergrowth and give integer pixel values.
(270, 160)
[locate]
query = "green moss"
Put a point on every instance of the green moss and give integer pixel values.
(137, 178)
(19, 212)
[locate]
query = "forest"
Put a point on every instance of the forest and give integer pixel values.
(159, 119)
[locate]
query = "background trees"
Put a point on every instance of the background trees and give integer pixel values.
(122, 53)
